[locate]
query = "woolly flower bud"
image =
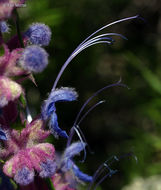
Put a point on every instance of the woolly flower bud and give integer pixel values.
(39, 34)
(48, 169)
(24, 176)
(34, 59)
(4, 28)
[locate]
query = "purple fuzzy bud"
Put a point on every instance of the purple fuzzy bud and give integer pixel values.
(4, 28)
(74, 149)
(39, 34)
(48, 169)
(24, 176)
(34, 59)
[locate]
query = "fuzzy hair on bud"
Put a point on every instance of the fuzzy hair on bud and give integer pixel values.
(38, 34)
(10, 91)
(24, 176)
(34, 59)
(48, 169)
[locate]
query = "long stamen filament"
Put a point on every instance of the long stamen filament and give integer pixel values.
(94, 106)
(84, 149)
(71, 56)
(101, 169)
(99, 36)
(103, 178)
(84, 139)
(106, 26)
(95, 94)
(84, 105)
(90, 43)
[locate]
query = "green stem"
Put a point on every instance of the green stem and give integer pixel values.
(49, 183)
(17, 21)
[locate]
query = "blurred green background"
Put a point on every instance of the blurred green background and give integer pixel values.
(129, 120)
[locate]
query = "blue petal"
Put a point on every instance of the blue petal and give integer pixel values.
(63, 94)
(54, 128)
(80, 175)
(47, 109)
(74, 149)
(2, 135)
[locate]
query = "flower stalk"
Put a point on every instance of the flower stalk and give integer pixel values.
(17, 23)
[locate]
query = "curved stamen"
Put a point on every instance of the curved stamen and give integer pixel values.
(106, 26)
(77, 50)
(110, 34)
(84, 149)
(71, 56)
(84, 139)
(95, 94)
(106, 165)
(101, 169)
(99, 36)
(90, 43)
(84, 105)
(90, 109)
(109, 174)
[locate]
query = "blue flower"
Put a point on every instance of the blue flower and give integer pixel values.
(39, 34)
(34, 59)
(4, 28)
(67, 164)
(49, 110)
